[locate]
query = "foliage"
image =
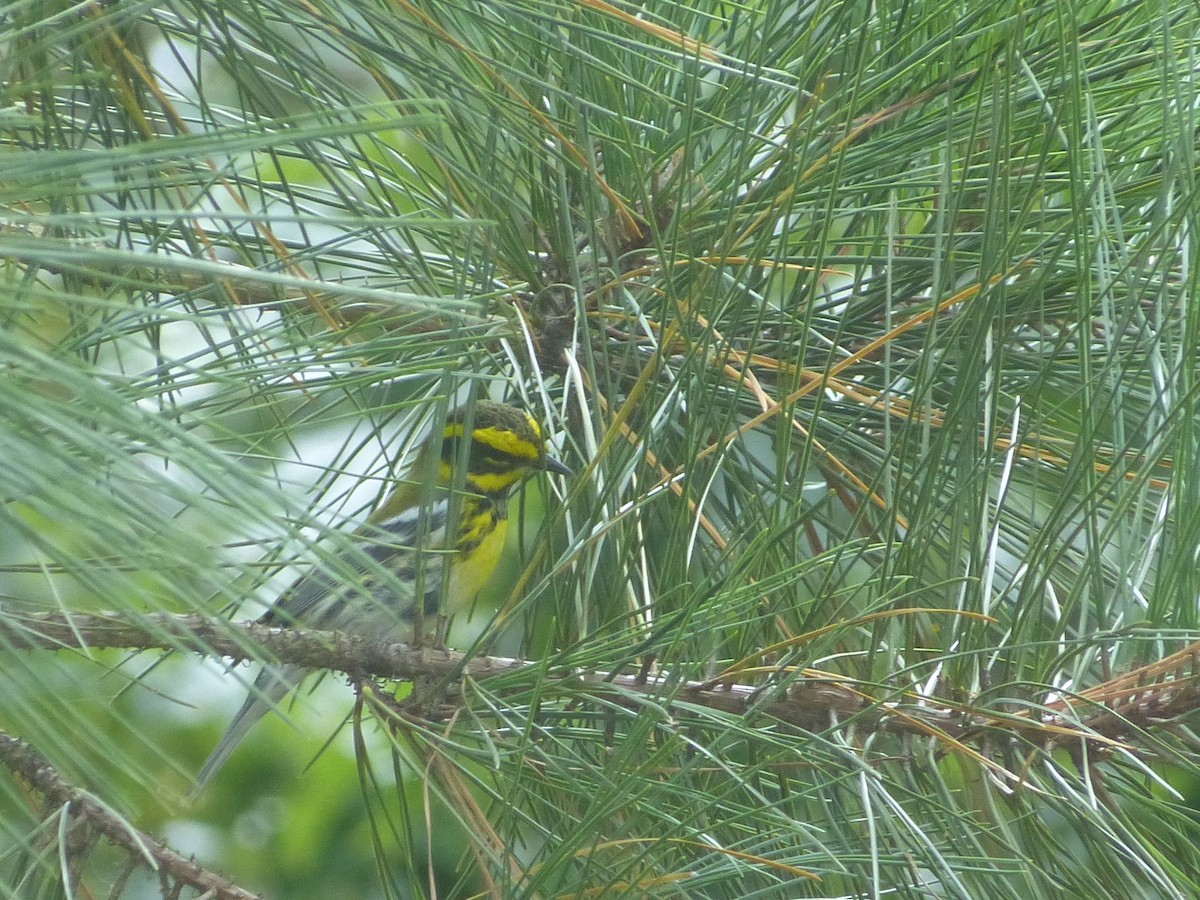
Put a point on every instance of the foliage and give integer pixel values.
(866, 327)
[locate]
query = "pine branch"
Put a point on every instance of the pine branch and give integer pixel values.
(1106, 717)
(83, 808)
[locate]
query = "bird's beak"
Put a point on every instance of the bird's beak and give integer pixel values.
(550, 464)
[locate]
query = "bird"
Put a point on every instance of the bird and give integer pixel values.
(484, 450)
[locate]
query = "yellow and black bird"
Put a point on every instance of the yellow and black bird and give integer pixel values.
(494, 446)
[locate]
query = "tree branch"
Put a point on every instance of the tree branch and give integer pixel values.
(1105, 716)
(33, 768)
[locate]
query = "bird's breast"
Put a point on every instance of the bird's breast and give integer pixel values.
(477, 558)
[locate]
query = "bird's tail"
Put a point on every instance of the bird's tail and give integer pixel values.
(270, 687)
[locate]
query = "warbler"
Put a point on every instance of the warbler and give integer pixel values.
(496, 446)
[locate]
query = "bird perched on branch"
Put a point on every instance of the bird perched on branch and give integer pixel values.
(481, 454)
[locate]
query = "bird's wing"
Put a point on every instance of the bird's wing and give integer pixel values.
(371, 592)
